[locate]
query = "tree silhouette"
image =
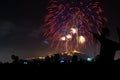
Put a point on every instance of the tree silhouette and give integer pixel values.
(15, 58)
(47, 60)
(74, 59)
(56, 58)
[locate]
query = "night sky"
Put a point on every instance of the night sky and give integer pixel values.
(21, 22)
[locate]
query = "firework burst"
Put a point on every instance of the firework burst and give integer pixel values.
(69, 22)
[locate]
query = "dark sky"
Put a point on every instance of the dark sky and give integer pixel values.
(21, 22)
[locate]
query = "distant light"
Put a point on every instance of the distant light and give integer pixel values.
(89, 59)
(62, 53)
(62, 61)
(41, 57)
(25, 63)
(69, 54)
(70, 61)
(75, 51)
(33, 58)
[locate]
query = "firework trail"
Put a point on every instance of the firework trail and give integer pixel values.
(69, 22)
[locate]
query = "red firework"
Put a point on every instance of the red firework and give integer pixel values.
(68, 23)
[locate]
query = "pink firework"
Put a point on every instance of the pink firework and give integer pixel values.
(68, 22)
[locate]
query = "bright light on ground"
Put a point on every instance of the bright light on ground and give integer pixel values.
(75, 51)
(89, 59)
